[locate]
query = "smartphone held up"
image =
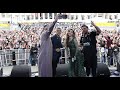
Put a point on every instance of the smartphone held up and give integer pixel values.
(63, 16)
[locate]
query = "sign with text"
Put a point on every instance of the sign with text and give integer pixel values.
(106, 24)
(5, 26)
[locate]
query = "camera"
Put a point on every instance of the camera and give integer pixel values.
(63, 16)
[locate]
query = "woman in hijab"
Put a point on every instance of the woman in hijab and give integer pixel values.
(45, 51)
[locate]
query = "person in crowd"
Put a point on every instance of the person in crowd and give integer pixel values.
(115, 54)
(88, 41)
(110, 56)
(103, 54)
(33, 55)
(109, 41)
(110, 50)
(76, 60)
(57, 45)
(13, 58)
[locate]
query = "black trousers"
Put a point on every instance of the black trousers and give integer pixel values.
(93, 71)
(91, 65)
(54, 66)
(13, 62)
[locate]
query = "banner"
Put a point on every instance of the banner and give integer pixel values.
(5, 25)
(106, 24)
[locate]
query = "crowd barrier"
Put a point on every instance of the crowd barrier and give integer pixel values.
(99, 56)
(21, 56)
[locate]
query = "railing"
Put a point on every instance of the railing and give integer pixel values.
(99, 56)
(21, 56)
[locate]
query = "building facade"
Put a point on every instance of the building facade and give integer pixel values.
(48, 17)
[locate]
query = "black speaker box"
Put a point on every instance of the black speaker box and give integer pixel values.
(103, 70)
(62, 70)
(21, 71)
(118, 67)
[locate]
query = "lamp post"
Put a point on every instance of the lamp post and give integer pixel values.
(11, 21)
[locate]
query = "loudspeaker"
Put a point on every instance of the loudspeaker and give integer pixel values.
(102, 70)
(118, 67)
(1, 72)
(62, 70)
(21, 71)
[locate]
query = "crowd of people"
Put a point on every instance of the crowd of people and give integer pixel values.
(29, 34)
(18, 39)
(39, 35)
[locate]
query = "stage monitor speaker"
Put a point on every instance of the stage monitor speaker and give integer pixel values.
(118, 67)
(1, 72)
(21, 71)
(62, 70)
(103, 70)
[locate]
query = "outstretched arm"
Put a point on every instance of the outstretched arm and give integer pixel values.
(96, 27)
(52, 25)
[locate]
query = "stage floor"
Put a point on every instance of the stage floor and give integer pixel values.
(34, 69)
(7, 70)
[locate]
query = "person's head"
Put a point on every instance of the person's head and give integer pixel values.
(58, 31)
(33, 45)
(115, 37)
(115, 44)
(108, 37)
(84, 28)
(70, 33)
(45, 27)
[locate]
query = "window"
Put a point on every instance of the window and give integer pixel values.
(76, 17)
(41, 15)
(7, 15)
(36, 15)
(46, 15)
(110, 17)
(3, 15)
(100, 14)
(106, 16)
(95, 15)
(55, 14)
(68, 16)
(50, 15)
(88, 16)
(28, 17)
(72, 17)
(115, 16)
(23, 17)
(32, 17)
(83, 17)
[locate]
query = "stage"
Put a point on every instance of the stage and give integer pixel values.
(34, 71)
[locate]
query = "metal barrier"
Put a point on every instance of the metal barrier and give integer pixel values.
(2, 58)
(64, 57)
(99, 55)
(21, 56)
